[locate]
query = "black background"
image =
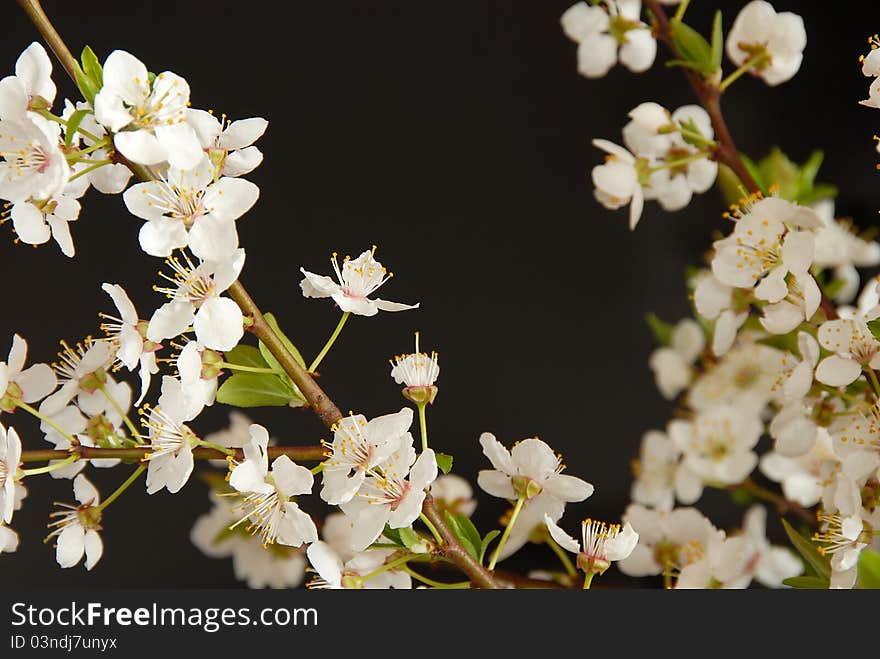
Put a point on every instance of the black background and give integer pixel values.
(456, 137)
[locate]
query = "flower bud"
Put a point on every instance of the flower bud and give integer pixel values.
(526, 487)
(420, 395)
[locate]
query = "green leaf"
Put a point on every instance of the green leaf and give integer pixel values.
(741, 496)
(717, 41)
(695, 51)
(393, 535)
(257, 390)
(810, 169)
(245, 355)
(809, 552)
(755, 172)
(92, 67)
(463, 536)
(869, 569)
(661, 329)
(468, 529)
(807, 583)
(409, 537)
(487, 540)
(444, 462)
(833, 288)
(87, 87)
(874, 326)
(729, 184)
(72, 124)
(268, 356)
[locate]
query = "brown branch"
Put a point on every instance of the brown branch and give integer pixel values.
(297, 453)
(783, 505)
(453, 550)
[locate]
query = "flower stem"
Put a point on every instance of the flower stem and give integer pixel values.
(250, 369)
(682, 8)
(58, 120)
(872, 376)
(48, 421)
(588, 579)
(317, 469)
(116, 406)
(122, 488)
(423, 426)
(436, 584)
(96, 164)
(516, 508)
(228, 451)
(563, 556)
(747, 66)
(388, 566)
(330, 342)
(52, 467)
(678, 162)
(431, 528)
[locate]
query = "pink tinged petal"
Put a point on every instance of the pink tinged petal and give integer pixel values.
(596, 55)
(230, 198)
(837, 371)
(94, 548)
(407, 510)
(242, 133)
(30, 224)
(180, 145)
(797, 251)
(368, 525)
(290, 478)
(13, 98)
(34, 69)
(213, 239)
(70, 545)
(36, 383)
(773, 287)
(244, 161)
(219, 324)
(318, 285)
(163, 236)
(568, 488)
(496, 483)
(561, 537)
(385, 305)
(497, 453)
(140, 146)
(170, 320)
(639, 51)
(325, 561)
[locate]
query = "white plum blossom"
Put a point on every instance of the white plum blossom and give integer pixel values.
(189, 208)
(417, 370)
(267, 492)
(714, 301)
(147, 117)
(839, 246)
(357, 280)
(10, 455)
(18, 383)
(533, 471)
(661, 477)
(668, 539)
(32, 165)
(600, 544)
(843, 538)
(672, 364)
(722, 563)
(606, 35)
(619, 180)
(359, 446)
(717, 444)
(770, 565)
(278, 566)
(81, 370)
(111, 178)
(199, 369)
(334, 574)
(801, 477)
(765, 247)
(856, 436)
(35, 223)
(228, 143)
(195, 300)
(392, 494)
(655, 134)
(128, 332)
(171, 440)
(75, 528)
(453, 493)
(772, 42)
(854, 348)
(31, 86)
